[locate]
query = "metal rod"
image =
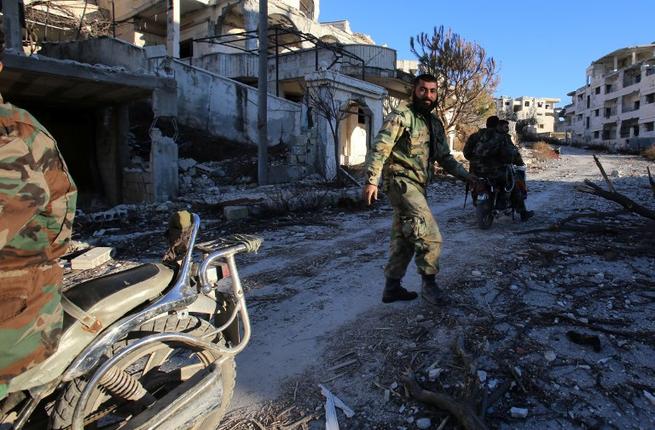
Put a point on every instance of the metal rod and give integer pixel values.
(262, 85)
(277, 64)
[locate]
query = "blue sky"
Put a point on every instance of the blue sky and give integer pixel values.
(542, 48)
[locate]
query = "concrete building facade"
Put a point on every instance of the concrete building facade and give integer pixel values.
(209, 49)
(543, 110)
(616, 106)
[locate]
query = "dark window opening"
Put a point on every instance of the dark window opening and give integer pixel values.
(649, 126)
(361, 117)
(596, 134)
(186, 48)
(597, 112)
(597, 90)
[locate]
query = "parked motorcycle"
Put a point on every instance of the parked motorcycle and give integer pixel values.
(152, 347)
(492, 197)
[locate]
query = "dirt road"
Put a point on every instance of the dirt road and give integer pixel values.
(314, 293)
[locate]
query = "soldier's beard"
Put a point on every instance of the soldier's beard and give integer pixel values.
(423, 105)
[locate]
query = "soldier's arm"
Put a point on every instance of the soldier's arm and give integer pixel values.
(392, 129)
(23, 187)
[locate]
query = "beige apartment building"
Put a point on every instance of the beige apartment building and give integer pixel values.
(616, 106)
(521, 108)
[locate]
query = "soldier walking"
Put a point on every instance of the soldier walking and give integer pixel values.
(411, 140)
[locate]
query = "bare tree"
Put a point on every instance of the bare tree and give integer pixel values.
(467, 77)
(322, 99)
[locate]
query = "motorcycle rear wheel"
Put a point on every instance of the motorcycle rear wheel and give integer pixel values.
(155, 367)
(484, 214)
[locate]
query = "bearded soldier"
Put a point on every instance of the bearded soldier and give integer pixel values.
(411, 140)
(37, 205)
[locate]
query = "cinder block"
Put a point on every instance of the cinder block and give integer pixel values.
(232, 213)
(92, 258)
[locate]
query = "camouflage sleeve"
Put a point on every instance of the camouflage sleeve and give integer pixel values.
(23, 187)
(446, 159)
(391, 131)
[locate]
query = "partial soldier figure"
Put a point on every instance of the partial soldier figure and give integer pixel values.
(474, 139)
(493, 156)
(411, 140)
(37, 205)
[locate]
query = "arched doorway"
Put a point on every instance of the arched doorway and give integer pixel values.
(354, 133)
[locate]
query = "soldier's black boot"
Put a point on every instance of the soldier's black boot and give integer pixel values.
(526, 215)
(431, 292)
(394, 292)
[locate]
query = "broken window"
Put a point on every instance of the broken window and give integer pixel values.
(588, 102)
(596, 134)
(186, 48)
(587, 122)
(547, 106)
(526, 104)
(597, 112)
(636, 105)
(541, 126)
(649, 126)
(540, 104)
(597, 90)
(650, 98)
(608, 88)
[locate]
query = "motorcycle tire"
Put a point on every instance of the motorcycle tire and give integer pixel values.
(484, 214)
(159, 356)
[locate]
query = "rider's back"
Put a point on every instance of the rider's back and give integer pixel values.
(37, 205)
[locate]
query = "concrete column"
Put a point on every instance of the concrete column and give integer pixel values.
(163, 166)
(173, 28)
(250, 10)
(634, 57)
(13, 33)
(107, 154)
(616, 62)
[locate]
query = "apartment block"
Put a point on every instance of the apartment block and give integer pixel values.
(616, 106)
(521, 108)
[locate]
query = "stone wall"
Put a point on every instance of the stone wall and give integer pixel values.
(228, 109)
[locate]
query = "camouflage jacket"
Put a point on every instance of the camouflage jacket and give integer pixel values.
(37, 205)
(494, 151)
(402, 148)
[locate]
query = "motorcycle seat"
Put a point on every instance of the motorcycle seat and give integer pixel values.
(107, 299)
(88, 293)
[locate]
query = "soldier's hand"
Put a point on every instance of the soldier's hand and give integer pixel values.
(369, 193)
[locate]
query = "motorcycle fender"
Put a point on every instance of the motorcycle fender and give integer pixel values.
(215, 304)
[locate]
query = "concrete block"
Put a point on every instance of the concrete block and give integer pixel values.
(232, 213)
(92, 258)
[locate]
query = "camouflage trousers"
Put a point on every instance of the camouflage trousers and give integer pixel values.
(414, 231)
(31, 318)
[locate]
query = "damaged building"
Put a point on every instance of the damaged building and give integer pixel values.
(543, 111)
(616, 106)
(192, 65)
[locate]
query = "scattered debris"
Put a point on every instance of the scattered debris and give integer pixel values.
(584, 339)
(92, 258)
(518, 412)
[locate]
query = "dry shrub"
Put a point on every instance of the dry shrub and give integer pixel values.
(543, 151)
(649, 153)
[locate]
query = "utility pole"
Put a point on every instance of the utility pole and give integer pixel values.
(12, 28)
(262, 85)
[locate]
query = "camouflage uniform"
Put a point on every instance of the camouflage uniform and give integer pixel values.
(493, 154)
(471, 145)
(403, 155)
(37, 205)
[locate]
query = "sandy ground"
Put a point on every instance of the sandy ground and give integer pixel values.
(315, 289)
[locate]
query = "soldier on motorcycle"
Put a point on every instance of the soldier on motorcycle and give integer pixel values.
(493, 155)
(37, 205)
